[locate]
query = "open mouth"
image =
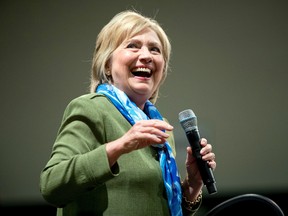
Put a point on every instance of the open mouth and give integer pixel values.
(142, 72)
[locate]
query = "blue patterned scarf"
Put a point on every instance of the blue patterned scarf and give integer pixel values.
(167, 161)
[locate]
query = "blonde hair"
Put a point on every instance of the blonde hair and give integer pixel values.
(124, 25)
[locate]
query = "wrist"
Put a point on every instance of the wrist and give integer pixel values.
(192, 205)
(191, 196)
(113, 151)
(189, 191)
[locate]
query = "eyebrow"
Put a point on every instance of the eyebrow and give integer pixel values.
(152, 43)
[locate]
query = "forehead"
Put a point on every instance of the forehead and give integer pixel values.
(146, 35)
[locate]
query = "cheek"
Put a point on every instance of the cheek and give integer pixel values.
(126, 58)
(160, 62)
(160, 68)
(158, 78)
(120, 58)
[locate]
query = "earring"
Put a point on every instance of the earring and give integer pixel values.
(108, 75)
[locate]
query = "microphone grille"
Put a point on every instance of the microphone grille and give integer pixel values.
(188, 119)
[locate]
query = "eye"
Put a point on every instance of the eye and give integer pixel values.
(155, 49)
(132, 45)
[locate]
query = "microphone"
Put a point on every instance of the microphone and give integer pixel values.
(188, 120)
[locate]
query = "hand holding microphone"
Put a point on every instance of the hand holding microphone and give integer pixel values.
(188, 121)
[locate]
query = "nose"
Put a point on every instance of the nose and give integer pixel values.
(145, 54)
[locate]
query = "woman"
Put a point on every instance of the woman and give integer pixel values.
(114, 153)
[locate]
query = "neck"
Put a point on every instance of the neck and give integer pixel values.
(139, 103)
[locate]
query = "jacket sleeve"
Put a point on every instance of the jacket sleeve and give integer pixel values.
(78, 162)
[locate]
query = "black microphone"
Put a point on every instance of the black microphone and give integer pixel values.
(188, 120)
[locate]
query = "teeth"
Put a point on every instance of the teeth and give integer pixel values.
(147, 70)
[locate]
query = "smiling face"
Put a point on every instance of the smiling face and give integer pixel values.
(137, 66)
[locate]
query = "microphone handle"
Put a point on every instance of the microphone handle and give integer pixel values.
(204, 169)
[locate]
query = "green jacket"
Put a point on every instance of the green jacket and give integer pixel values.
(77, 178)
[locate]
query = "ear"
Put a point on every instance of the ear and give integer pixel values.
(108, 68)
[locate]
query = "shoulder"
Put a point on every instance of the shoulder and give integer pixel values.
(89, 100)
(91, 103)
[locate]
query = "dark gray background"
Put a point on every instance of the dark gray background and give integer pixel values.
(229, 64)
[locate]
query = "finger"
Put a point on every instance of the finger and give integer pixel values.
(189, 150)
(152, 139)
(206, 149)
(203, 142)
(212, 164)
(155, 132)
(154, 123)
(209, 157)
(149, 126)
